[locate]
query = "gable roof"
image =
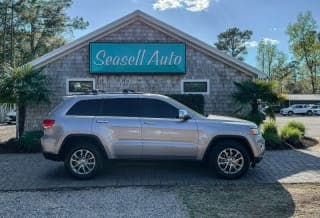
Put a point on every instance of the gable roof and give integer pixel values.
(155, 23)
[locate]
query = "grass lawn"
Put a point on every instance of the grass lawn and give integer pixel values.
(261, 200)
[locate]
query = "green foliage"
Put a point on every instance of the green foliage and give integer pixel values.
(271, 135)
(251, 92)
(270, 127)
(270, 113)
(31, 141)
(257, 117)
(297, 125)
(232, 42)
(291, 135)
(305, 45)
(23, 85)
(266, 55)
(194, 101)
(31, 28)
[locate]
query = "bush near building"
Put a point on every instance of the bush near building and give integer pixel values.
(271, 135)
(292, 133)
(30, 141)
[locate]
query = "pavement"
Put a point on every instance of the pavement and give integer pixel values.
(33, 172)
(34, 187)
(7, 132)
(107, 202)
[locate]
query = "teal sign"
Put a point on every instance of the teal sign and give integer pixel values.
(137, 58)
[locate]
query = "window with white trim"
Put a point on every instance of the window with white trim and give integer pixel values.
(195, 86)
(80, 85)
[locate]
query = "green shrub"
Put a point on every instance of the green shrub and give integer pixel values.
(31, 141)
(291, 135)
(194, 101)
(257, 118)
(270, 134)
(270, 127)
(298, 125)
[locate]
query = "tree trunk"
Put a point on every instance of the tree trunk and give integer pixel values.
(254, 106)
(22, 117)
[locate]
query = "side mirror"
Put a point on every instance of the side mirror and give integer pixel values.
(183, 115)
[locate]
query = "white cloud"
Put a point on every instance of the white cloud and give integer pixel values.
(251, 44)
(270, 41)
(190, 5)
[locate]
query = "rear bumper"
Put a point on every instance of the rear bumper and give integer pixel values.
(54, 157)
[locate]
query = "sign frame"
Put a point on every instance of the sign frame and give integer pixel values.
(150, 72)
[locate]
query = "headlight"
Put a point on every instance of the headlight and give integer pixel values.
(254, 131)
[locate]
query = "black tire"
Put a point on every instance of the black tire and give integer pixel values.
(309, 113)
(92, 150)
(224, 145)
(290, 113)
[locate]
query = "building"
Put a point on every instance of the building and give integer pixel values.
(141, 53)
(302, 99)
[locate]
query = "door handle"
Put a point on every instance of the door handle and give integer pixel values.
(149, 123)
(102, 121)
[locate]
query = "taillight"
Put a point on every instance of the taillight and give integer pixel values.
(47, 124)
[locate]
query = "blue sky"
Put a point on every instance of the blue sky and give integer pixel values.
(205, 19)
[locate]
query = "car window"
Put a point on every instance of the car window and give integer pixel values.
(86, 108)
(155, 108)
(121, 107)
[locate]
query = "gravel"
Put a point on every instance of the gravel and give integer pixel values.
(107, 202)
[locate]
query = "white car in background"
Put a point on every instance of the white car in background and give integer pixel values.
(316, 109)
(11, 117)
(298, 109)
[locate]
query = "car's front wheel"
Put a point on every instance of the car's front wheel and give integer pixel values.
(83, 161)
(229, 159)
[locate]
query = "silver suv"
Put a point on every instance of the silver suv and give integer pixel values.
(85, 130)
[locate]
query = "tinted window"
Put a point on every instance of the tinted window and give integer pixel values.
(158, 109)
(124, 107)
(86, 108)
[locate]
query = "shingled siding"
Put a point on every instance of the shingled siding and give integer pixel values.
(199, 66)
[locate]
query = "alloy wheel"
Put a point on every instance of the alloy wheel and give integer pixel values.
(82, 162)
(230, 161)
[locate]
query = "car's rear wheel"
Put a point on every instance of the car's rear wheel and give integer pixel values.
(290, 113)
(229, 159)
(83, 161)
(309, 113)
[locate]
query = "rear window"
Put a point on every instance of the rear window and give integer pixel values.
(86, 108)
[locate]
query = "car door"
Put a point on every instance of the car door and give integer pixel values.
(120, 126)
(163, 134)
(298, 109)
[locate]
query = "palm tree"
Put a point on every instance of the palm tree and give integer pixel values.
(251, 92)
(23, 86)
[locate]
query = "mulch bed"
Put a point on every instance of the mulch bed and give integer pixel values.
(13, 146)
(306, 143)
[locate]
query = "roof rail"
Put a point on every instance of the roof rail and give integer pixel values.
(130, 91)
